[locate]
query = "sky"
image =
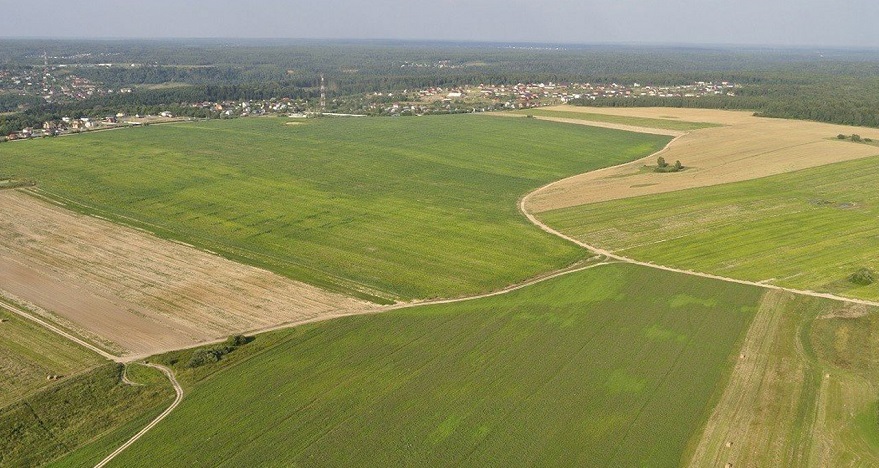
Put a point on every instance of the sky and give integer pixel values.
(827, 23)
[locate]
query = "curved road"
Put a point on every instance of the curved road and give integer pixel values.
(177, 388)
(610, 255)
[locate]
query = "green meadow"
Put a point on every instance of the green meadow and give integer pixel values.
(80, 411)
(667, 124)
(384, 209)
(29, 354)
(809, 229)
(618, 365)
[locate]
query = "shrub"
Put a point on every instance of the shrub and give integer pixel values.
(840, 136)
(238, 340)
(204, 356)
(201, 357)
(863, 277)
(856, 137)
(868, 140)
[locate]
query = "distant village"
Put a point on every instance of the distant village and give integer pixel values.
(432, 100)
(487, 97)
(51, 85)
(521, 95)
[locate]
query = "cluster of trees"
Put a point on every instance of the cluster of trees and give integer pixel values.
(204, 356)
(663, 166)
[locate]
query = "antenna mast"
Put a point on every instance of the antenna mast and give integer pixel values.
(323, 94)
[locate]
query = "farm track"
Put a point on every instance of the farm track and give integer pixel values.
(610, 255)
(53, 328)
(179, 397)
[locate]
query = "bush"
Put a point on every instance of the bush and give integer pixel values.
(856, 137)
(863, 277)
(840, 136)
(204, 356)
(868, 140)
(201, 357)
(238, 340)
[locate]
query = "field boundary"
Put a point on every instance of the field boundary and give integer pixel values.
(59, 331)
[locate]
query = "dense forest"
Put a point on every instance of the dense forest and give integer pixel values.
(831, 85)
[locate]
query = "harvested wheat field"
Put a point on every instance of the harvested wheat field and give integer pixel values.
(744, 147)
(141, 293)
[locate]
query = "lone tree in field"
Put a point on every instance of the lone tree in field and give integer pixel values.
(678, 166)
(660, 163)
(856, 137)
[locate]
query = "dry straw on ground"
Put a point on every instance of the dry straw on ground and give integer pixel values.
(746, 147)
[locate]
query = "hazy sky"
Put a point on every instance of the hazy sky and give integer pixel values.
(761, 22)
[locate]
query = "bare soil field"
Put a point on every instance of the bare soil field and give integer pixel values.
(593, 123)
(746, 147)
(144, 294)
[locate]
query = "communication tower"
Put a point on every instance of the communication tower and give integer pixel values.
(323, 94)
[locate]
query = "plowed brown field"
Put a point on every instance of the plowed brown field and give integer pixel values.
(142, 293)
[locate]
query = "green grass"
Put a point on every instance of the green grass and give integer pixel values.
(614, 366)
(381, 208)
(29, 353)
(668, 124)
(809, 229)
(80, 411)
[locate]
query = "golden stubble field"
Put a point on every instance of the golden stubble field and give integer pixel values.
(139, 292)
(744, 148)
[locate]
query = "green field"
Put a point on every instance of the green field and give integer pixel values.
(29, 353)
(809, 229)
(668, 124)
(614, 366)
(382, 208)
(79, 411)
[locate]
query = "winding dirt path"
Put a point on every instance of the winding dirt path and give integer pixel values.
(179, 391)
(610, 255)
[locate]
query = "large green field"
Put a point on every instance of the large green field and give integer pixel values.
(382, 208)
(618, 365)
(668, 124)
(809, 229)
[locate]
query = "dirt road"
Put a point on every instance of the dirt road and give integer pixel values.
(179, 397)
